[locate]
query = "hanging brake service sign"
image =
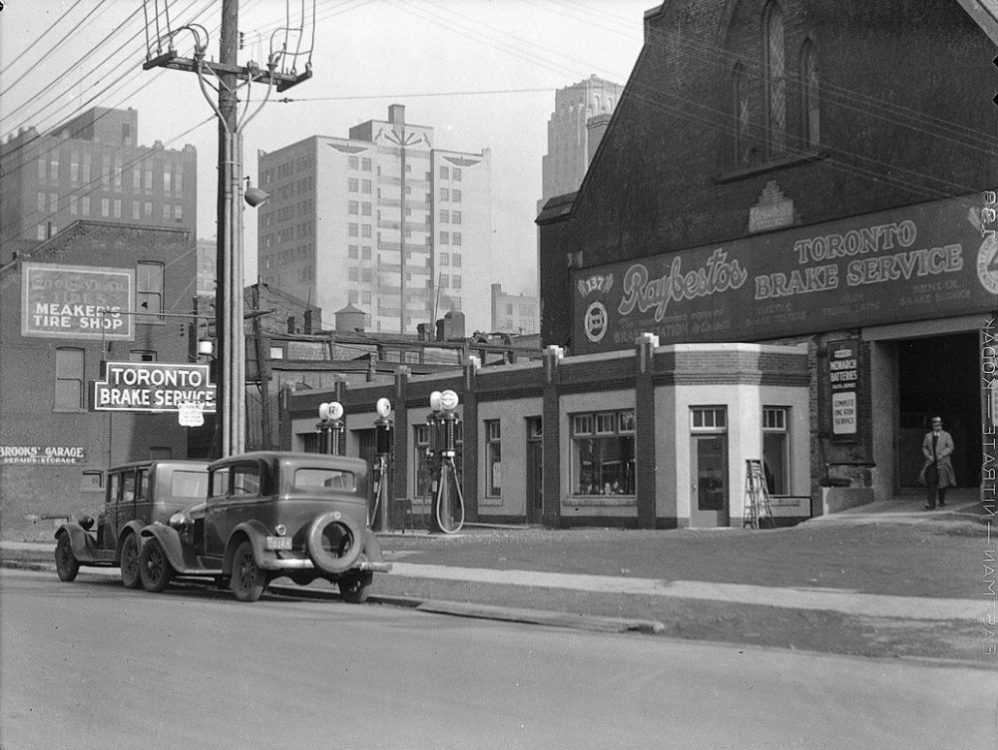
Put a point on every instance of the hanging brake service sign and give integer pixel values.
(153, 386)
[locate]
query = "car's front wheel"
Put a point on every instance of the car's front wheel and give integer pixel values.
(355, 588)
(248, 579)
(154, 568)
(130, 576)
(66, 564)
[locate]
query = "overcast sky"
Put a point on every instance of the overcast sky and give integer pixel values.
(482, 74)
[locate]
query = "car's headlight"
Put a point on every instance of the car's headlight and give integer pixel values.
(178, 520)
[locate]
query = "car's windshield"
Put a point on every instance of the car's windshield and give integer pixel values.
(335, 479)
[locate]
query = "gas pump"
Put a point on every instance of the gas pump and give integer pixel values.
(447, 516)
(330, 428)
(382, 466)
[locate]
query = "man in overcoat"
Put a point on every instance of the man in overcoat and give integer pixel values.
(937, 473)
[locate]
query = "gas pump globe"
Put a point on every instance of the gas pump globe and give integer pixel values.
(447, 516)
(330, 428)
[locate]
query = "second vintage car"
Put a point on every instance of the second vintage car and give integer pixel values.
(270, 514)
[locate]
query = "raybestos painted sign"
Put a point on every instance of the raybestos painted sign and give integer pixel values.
(153, 386)
(77, 302)
(914, 263)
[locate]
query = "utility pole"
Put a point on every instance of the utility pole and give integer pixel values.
(231, 360)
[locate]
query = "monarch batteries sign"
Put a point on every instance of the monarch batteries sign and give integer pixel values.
(843, 381)
(153, 386)
(77, 302)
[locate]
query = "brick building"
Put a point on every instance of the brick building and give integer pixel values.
(806, 172)
(54, 341)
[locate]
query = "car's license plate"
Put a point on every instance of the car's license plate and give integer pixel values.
(278, 542)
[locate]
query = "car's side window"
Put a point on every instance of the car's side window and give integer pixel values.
(325, 478)
(128, 487)
(143, 484)
(246, 480)
(219, 483)
(114, 488)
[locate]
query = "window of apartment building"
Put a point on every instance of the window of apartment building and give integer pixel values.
(455, 196)
(353, 185)
(444, 259)
(456, 217)
(366, 186)
(775, 71)
(455, 238)
(493, 458)
(136, 210)
(105, 207)
(455, 260)
(603, 453)
(69, 377)
(54, 167)
(444, 173)
(149, 290)
(85, 205)
(74, 207)
(444, 194)
(776, 449)
(117, 173)
(74, 168)
(445, 238)
(117, 208)
(178, 181)
(353, 230)
(352, 251)
(353, 273)
(456, 174)
(178, 212)
(365, 252)
(455, 282)
(810, 111)
(167, 212)
(365, 230)
(147, 210)
(148, 179)
(444, 216)
(365, 164)
(353, 207)
(41, 232)
(365, 297)
(444, 281)
(353, 162)
(42, 202)
(42, 168)
(352, 296)
(136, 178)
(365, 208)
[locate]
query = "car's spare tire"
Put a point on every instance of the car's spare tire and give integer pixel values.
(335, 542)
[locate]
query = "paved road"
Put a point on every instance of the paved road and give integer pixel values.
(90, 665)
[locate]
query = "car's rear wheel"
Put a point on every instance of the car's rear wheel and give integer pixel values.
(130, 576)
(335, 542)
(154, 568)
(248, 579)
(66, 564)
(355, 588)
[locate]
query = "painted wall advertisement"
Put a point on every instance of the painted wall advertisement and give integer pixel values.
(843, 381)
(77, 302)
(914, 263)
(153, 387)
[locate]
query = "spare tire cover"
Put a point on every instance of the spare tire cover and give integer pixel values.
(349, 540)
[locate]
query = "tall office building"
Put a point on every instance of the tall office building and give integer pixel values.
(378, 217)
(91, 167)
(581, 113)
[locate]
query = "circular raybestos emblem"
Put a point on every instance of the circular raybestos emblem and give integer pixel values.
(596, 321)
(987, 264)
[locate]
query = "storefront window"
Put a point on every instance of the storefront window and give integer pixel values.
(603, 453)
(775, 449)
(493, 458)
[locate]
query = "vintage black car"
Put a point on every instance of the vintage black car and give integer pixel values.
(136, 495)
(270, 514)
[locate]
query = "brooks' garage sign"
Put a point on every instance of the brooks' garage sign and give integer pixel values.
(914, 263)
(153, 386)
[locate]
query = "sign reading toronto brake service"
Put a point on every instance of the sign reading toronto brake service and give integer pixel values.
(77, 302)
(914, 263)
(153, 386)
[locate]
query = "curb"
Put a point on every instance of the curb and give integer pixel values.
(455, 609)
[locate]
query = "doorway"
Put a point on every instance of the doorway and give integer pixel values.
(709, 501)
(939, 376)
(535, 471)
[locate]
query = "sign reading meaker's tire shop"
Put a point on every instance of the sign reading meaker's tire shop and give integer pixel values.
(153, 386)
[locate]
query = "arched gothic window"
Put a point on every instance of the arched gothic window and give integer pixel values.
(810, 111)
(742, 119)
(776, 82)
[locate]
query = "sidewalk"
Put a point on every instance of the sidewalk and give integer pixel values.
(848, 602)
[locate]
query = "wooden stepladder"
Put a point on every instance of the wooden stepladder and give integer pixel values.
(758, 513)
